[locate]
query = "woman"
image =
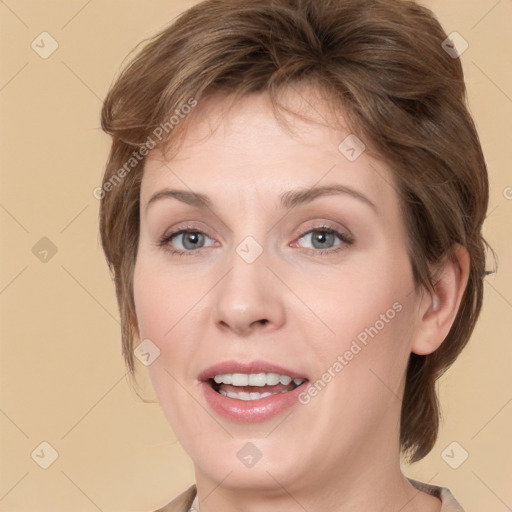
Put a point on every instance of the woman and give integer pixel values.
(292, 212)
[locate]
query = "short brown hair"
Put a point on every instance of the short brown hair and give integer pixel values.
(383, 62)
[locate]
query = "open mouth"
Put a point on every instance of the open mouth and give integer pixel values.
(253, 386)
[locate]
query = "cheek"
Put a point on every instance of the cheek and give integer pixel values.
(374, 350)
(168, 310)
(361, 302)
(154, 307)
(151, 300)
(160, 295)
(159, 307)
(370, 315)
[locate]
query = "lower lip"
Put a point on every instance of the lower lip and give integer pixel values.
(250, 411)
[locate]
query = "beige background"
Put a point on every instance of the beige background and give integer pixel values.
(62, 378)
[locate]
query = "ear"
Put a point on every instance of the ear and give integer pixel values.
(437, 311)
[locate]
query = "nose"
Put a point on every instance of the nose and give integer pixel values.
(249, 298)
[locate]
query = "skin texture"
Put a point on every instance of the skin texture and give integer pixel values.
(340, 451)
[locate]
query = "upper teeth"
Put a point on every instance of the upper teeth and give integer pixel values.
(255, 379)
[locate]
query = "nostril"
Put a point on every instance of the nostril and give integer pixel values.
(262, 321)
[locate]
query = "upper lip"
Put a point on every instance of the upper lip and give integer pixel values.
(247, 367)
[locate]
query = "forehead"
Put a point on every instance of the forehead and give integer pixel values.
(239, 149)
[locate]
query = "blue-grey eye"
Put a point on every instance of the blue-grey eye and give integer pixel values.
(321, 239)
(188, 240)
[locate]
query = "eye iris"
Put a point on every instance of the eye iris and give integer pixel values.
(323, 238)
(191, 239)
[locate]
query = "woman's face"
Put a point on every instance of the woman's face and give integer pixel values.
(281, 256)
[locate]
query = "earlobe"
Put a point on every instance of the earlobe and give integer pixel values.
(439, 308)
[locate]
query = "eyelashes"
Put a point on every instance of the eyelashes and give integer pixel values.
(328, 233)
(190, 237)
(166, 241)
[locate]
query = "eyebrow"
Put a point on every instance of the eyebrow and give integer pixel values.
(293, 198)
(289, 199)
